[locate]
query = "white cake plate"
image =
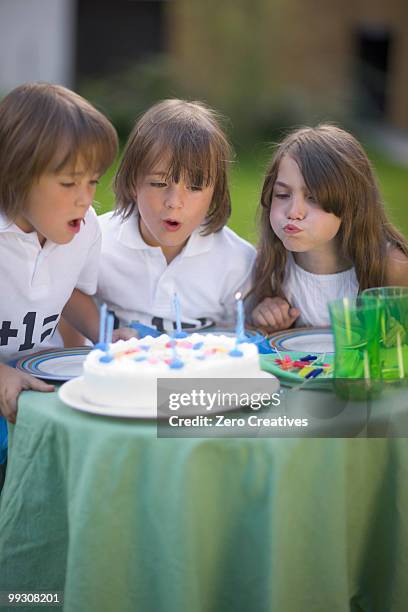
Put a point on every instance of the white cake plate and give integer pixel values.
(72, 394)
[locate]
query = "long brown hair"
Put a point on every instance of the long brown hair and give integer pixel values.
(45, 127)
(339, 175)
(190, 136)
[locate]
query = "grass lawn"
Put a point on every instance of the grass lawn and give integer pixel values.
(246, 182)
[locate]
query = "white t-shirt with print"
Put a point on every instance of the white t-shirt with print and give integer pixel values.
(36, 283)
(137, 284)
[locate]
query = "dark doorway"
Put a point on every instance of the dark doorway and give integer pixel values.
(371, 72)
(113, 34)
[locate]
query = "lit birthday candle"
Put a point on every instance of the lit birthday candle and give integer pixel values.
(179, 332)
(240, 326)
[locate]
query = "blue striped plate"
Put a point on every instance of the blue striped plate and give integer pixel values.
(313, 340)
(55, 364)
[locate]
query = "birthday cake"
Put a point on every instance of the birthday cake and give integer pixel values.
(125, 374)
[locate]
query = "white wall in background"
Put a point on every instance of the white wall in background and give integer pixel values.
(37, 42)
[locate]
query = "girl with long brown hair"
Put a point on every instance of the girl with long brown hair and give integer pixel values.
(324, 230)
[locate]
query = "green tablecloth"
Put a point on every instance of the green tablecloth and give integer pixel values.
(122, 521)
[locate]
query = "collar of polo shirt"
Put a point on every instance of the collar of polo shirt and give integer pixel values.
(6, 225)
(30, 238)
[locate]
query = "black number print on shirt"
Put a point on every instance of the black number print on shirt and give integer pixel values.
(6, 332)
(28, 323)
(50, 330)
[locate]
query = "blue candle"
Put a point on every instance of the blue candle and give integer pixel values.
(102, 323)
(102, 329)
(179, 332)
(240, 326)
(175, 363)
(235, 352)
(109, 328)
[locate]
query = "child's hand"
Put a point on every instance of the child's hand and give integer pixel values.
(12, 382)
(274, 314)
(123, 333)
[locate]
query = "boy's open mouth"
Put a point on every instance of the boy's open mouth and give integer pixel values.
(75, 224)
(171, 224)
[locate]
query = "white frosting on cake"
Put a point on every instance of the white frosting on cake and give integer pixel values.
(129, 377)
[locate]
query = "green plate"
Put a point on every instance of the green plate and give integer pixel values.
(290, 378)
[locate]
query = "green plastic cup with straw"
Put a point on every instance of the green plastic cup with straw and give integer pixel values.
(356, 329)
(393, 331)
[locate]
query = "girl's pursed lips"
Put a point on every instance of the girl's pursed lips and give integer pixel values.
(289, 228)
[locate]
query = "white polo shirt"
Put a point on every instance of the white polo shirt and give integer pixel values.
(136, 282)
(36, 283)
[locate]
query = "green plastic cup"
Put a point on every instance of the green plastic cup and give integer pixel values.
(356, 329)
(393, 331)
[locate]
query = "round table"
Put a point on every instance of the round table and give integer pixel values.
(119, 519)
